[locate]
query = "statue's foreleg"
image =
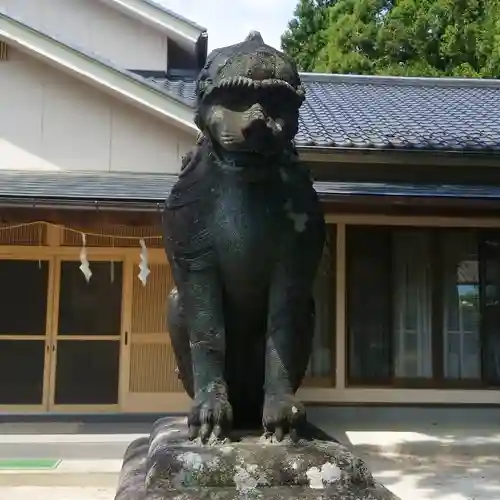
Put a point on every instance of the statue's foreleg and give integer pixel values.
(179, 337)
(202, 302)
(290, 331)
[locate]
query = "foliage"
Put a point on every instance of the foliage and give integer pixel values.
(397, 37)
(305, 36)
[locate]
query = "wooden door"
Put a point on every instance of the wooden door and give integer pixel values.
(152, 384)
(26, 287)
(86, 336)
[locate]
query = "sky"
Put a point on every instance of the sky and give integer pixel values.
(230, 21)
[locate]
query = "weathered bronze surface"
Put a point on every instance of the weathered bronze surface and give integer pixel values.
(244, 232)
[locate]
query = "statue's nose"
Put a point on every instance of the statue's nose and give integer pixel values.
(256, 120)
(256, 112)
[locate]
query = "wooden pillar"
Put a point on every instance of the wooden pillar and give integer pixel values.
(340, 313)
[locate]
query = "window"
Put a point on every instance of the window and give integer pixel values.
(461, 314)
(423, 307)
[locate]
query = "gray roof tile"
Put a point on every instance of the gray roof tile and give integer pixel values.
(370, 112)
(182, 88)
(89, 186)
(123, 187)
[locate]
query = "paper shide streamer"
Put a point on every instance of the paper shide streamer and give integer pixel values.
(84, 261)
(144, 265)
(85, 264)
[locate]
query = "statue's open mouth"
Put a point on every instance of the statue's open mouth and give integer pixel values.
(244, 83)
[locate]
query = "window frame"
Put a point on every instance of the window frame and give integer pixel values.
(438, 379)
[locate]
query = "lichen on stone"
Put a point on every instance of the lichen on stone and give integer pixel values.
(244, 480)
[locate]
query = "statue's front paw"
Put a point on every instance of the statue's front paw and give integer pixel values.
(211, 416)
(283, 414)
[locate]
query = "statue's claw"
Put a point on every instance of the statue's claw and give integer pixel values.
(210, 418)
(283, 415)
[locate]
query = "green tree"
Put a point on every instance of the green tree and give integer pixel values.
(351, 36)
(433, 37)
(304, 38)
(407, 37)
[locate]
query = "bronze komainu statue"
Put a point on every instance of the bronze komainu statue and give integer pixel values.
(244, 233)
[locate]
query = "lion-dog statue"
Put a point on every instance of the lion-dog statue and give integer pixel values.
(244, 233)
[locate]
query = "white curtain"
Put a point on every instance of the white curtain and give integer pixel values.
(412, 304)
(320, 364)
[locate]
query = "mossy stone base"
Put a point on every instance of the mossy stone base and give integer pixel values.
(168, 466)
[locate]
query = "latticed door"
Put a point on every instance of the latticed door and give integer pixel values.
(26, 295)
(86, 335)
(153, 385)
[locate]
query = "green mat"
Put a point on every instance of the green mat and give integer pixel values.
(29, 464)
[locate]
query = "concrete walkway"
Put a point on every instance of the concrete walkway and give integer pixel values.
(56, 493)
(424, 454)
(418, 454)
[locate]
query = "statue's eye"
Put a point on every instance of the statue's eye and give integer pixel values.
(237, 100)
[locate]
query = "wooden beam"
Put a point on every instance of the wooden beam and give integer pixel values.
(156, 255)
(80, 217)
(4, 51)
(415, 221)
(397, 158)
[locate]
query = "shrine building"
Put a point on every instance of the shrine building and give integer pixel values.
(96, 113)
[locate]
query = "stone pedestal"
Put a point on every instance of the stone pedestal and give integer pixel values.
(168, 466)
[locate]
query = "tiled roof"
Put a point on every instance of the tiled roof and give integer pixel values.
(370, 112)
(373, 112)
(92, 187)
(78, 185)
(181, 87)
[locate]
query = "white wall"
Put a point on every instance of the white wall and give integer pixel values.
(97, 28)
(52, 121)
